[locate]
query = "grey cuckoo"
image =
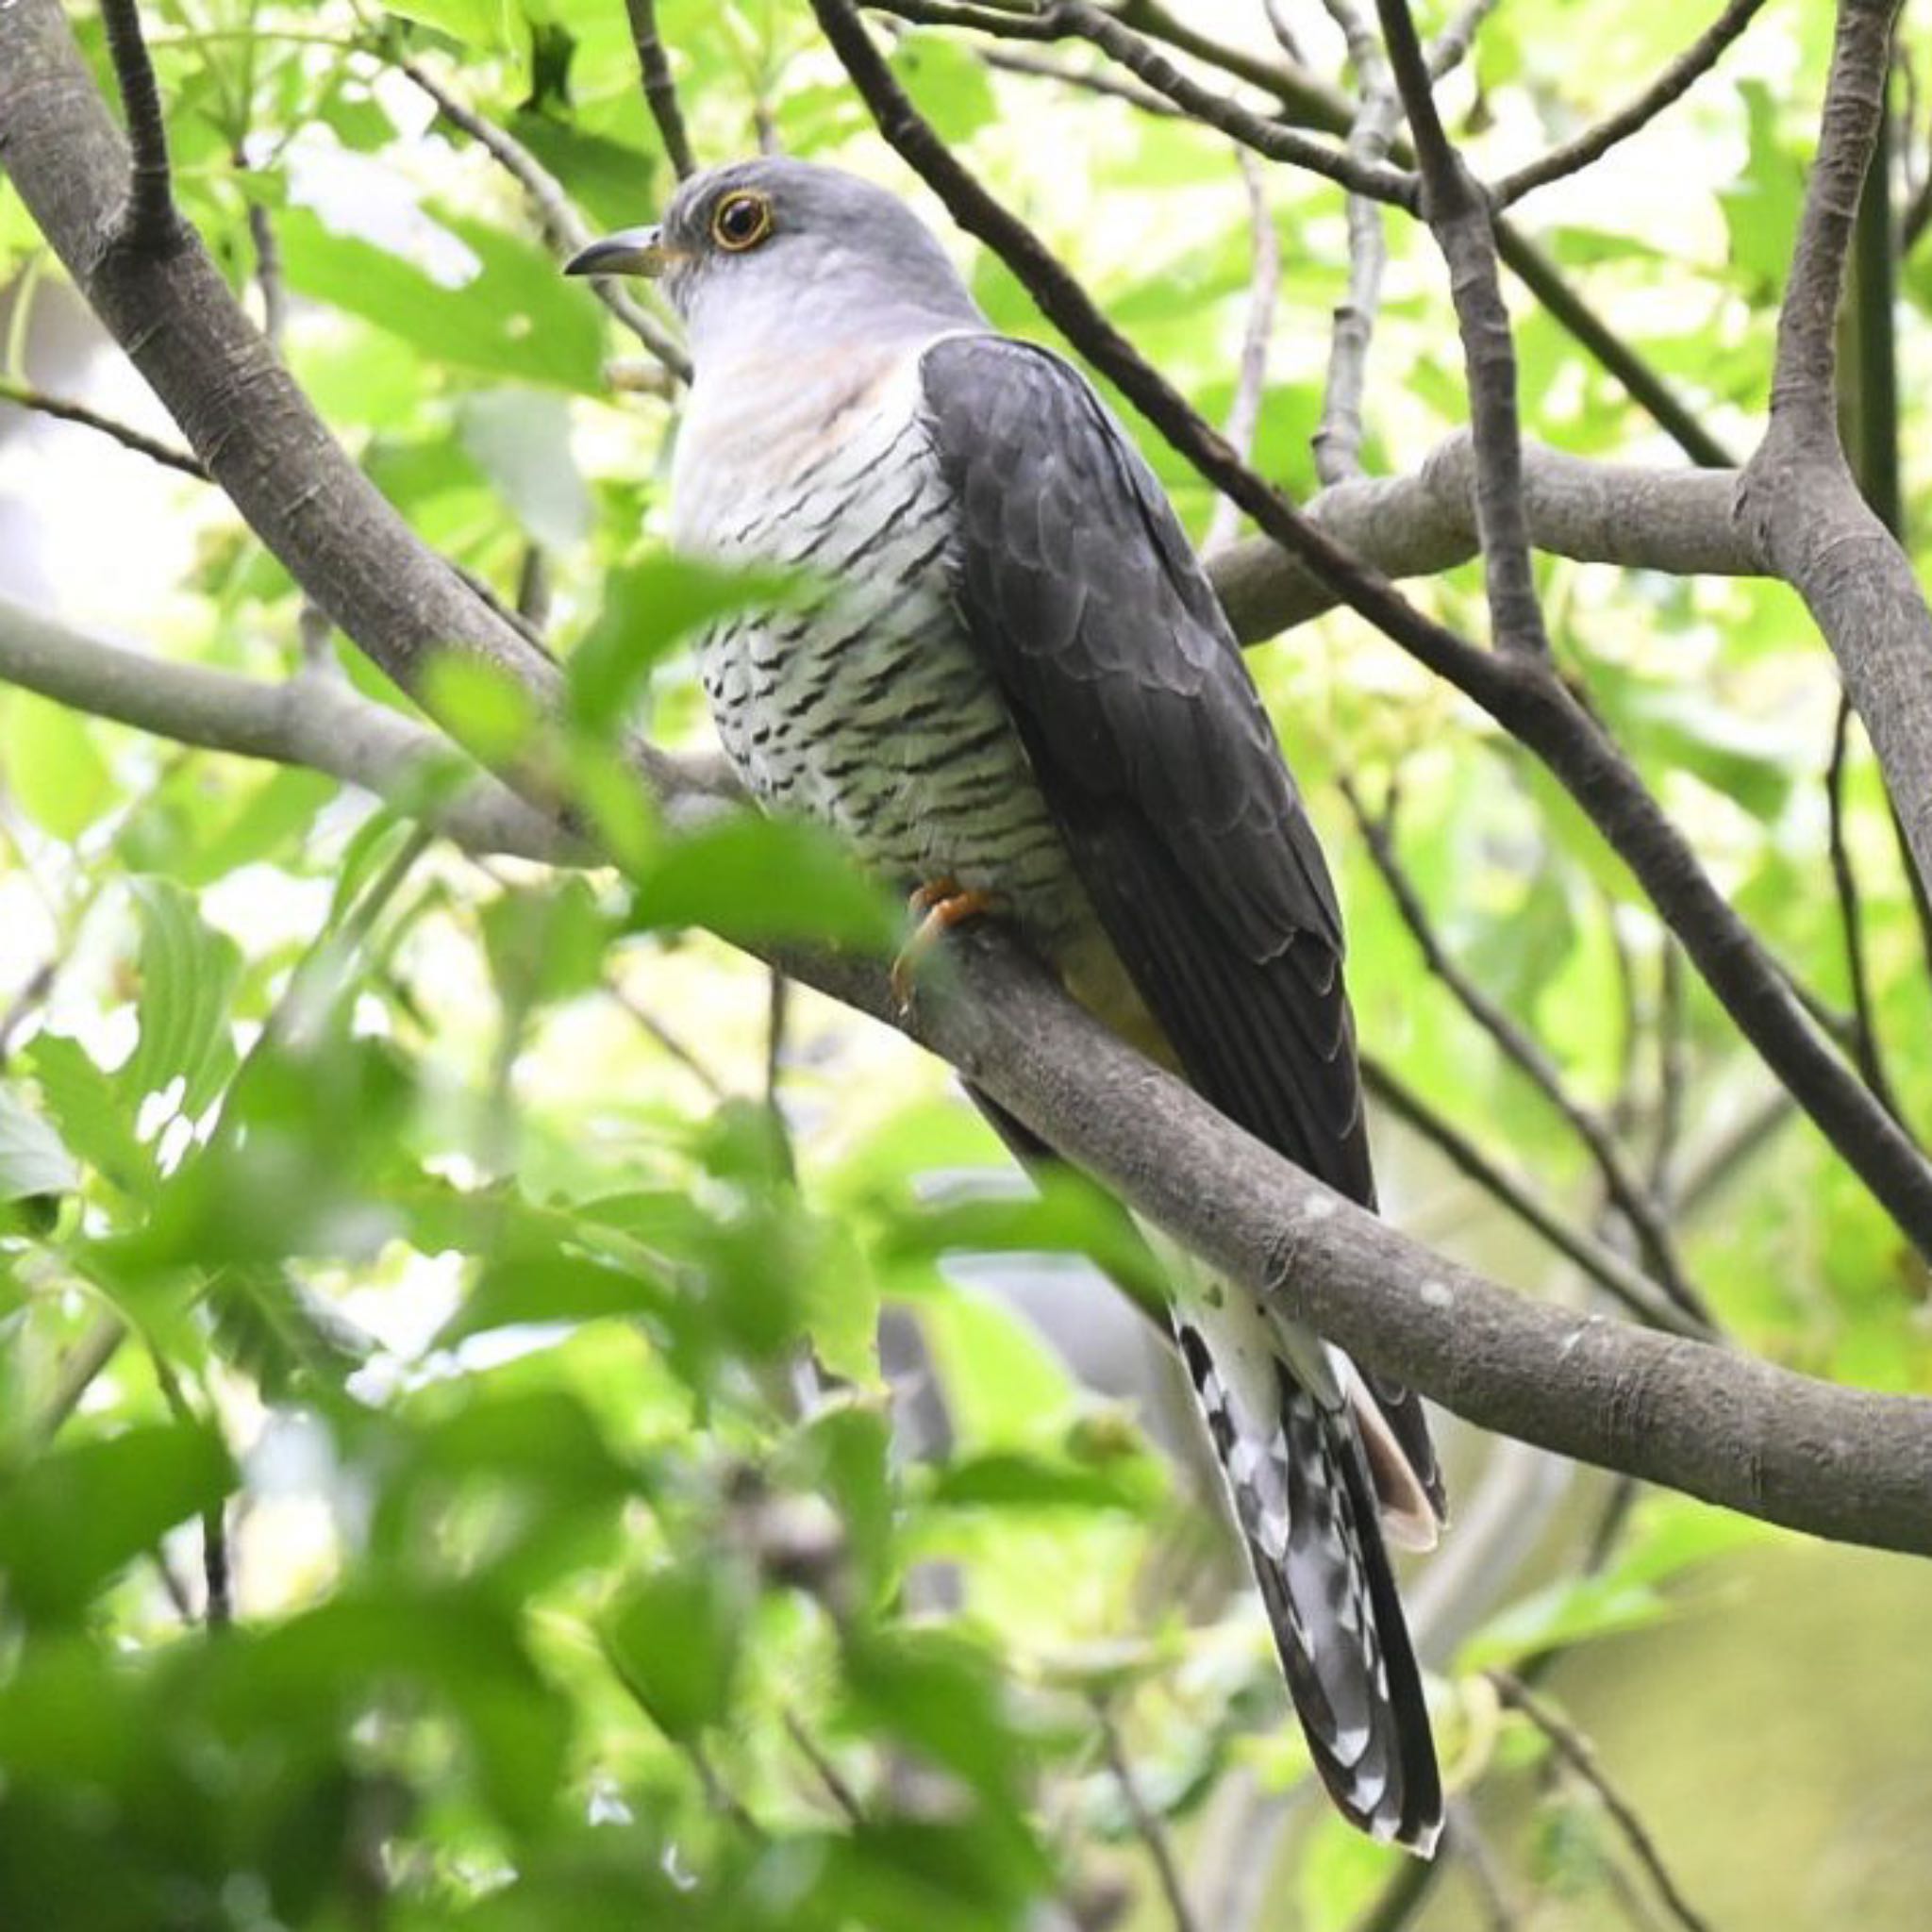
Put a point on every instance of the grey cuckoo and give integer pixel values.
(1016, 694)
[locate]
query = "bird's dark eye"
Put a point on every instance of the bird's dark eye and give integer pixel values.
(741, 221)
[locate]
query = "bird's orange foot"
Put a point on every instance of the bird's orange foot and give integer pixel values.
(938, 907)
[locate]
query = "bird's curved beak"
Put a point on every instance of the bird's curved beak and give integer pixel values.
(631, 252)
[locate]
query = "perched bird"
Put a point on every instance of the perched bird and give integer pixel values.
(1016, 694)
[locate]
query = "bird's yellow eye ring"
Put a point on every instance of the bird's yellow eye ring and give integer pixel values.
(741, 221)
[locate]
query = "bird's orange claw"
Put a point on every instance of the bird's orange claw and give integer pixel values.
(941, 905)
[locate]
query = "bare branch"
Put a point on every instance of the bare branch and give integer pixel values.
(1676, 80)
(562, 227)
(1851, 915)
(26, 397)
(660, 91)
(1520, 689)
(1574, 1748)
(1623, 1186)
(1459, 217)
(1675, 521)
(149, 222)
(1798, 495)
(1146, 63)
(1596, 1259)
(313, 720)
(1251, 376)
(1147, 1827)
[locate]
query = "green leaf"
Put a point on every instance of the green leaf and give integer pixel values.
(71, 1519)
(50, 763)
(542, 1289)
(944, 1697)
(948, 85)
(33, 1161)
(675, 1639)
(188, 975)
(481, 22)
(757, 880)
(94, 1119)
(650, 607)
(516, 319)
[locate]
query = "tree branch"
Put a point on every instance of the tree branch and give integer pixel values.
(1676, 80)
(1520, 689)
(1574, 1749)
(1798, 495)
(1146, 64)
(25, 397)
(148, 222)
(312, 720)
(1458, 218)
(1619, 1182)
(660, 91)
(1421, 524)
(1251, 378)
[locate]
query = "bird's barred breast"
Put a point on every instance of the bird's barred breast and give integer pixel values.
(868, 707)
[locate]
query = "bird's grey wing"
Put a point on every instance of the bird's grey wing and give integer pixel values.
(1083, 596)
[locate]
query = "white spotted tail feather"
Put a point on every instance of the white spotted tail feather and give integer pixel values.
(1304, 1483)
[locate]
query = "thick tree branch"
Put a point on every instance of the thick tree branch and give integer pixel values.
(1798, 495)
(1833, 1461)
(1520, 689)
(1675, 521)
(1676, 80)
(313, 720)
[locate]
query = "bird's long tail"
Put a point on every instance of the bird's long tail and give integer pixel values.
(1282, 1408)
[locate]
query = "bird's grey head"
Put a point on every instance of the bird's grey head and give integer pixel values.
(778, 252)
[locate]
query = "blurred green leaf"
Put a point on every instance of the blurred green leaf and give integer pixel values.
(757, 880)
(73, 1518)
(675, 1639)
(51, 765)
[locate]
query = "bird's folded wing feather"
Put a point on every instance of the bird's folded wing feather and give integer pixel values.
(1082, 595)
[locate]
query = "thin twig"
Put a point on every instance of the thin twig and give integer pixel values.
(149, 222)
(1672, 1073)
(1574, 1749)
(1251, 380)
(1148, 1827)
(1602, 1263)
(1851, 915)
(27, 397)
(1624, 1187)
(1146, 63)
(1696, 60)
(1338, 440)
(841, 1794)
(660, 91)
(562, 227)
(218, 1603)
(663, 1037)
(1095, 81)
